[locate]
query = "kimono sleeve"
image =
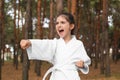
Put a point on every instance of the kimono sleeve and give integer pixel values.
(85, 58)
(42, 49)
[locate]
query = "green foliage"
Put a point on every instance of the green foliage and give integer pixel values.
(88, 11)
(8, 26)
(9, 31)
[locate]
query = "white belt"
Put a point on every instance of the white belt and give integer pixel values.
(66, 67)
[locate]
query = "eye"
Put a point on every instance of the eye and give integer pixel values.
(56, 23)
(62, 22)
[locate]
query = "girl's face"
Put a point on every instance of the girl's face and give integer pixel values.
(63, 27)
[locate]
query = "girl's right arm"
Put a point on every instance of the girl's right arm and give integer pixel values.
(40, 49)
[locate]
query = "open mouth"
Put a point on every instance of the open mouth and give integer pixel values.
(61, 30)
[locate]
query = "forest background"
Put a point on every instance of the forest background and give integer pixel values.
(97, 25)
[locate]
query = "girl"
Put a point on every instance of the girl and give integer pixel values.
(67, 54)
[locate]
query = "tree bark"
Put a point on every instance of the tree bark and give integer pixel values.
(39, 26)
(28, 34)
(97, 33)
(15, 36)
(39, 36)
(105, 32)
(74, 13)
(79, 13)
(69, 5)
(59, 4)
(1, 32)
(51, 25)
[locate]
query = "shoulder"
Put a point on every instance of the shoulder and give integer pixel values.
(77, 41)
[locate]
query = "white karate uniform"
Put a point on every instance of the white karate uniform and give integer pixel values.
(62, 55)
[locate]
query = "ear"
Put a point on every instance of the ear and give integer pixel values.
(72, 26)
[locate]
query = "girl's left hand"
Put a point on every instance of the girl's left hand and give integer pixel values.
(80, 64)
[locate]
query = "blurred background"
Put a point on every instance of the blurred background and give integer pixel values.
(97, 25)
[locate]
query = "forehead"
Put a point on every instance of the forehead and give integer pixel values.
(61, 18)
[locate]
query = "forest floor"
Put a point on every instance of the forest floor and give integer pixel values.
(10, 73)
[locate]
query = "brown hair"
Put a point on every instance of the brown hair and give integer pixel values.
(69, 17)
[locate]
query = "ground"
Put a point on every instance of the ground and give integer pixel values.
(10, 73)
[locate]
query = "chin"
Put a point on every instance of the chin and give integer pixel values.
(61, 36)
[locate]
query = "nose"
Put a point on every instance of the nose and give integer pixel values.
(59, 25)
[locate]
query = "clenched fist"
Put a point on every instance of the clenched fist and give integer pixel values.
(25, 44)
(80, 64)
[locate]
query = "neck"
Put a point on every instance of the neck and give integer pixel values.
(67, 39)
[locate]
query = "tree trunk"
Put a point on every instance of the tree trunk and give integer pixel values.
(16, 32)
(74, 13)
(28, 34)
(44, 9)
(59, 4)
(23, 34)
(15, 36)
(39, 26)
(74, 7)
(97, 33)
(51, 26)
(1, 32)
(115, 42)
(90, 28)
(69, 5)
(105, 32)
(79, 13)
(38, 67)
(39, 36)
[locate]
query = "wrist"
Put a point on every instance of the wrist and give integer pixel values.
(29, 42)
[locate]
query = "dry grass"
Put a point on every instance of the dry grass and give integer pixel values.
(10, 73)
